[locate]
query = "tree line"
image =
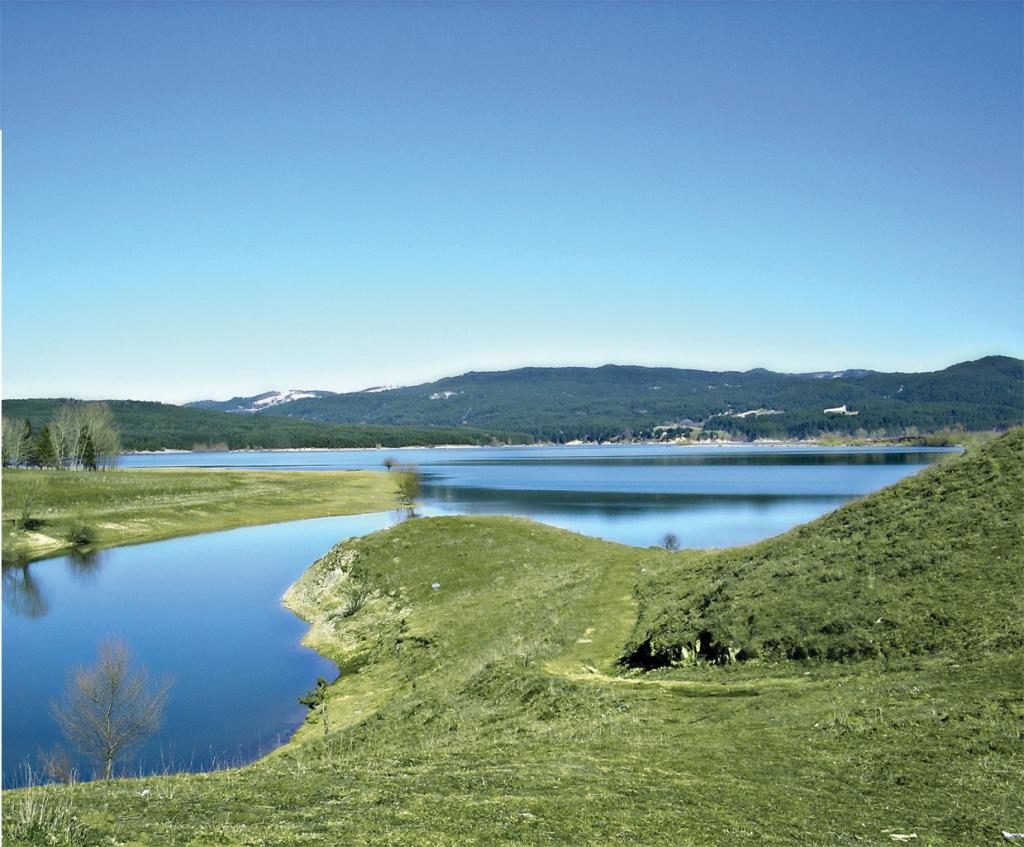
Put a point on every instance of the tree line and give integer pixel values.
(146, 425)
(79, 436)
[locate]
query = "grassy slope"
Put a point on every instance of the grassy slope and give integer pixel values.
(930, 564)
(487, 711)
(125, 507)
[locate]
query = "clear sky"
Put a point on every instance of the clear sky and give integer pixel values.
(207, 199)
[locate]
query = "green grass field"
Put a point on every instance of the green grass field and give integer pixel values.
(128, 507)
(501, 707)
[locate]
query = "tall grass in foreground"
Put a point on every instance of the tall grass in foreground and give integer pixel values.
(43, 814)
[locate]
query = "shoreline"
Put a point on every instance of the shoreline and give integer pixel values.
(763, 442)
(138, 510)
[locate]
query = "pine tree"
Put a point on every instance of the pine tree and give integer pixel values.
(89, 454)
(30, 445)
(45, 452)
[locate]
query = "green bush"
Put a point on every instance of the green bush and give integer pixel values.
(81, 534)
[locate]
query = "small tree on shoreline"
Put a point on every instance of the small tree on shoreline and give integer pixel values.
(316, 701)
(111, 706)
(410, 485)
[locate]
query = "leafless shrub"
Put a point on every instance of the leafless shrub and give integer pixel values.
(111, 706)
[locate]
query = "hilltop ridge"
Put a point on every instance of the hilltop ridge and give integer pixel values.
(615, 401)
(609, 403)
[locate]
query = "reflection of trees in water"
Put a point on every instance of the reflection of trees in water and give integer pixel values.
(84, 565)
(608, 504)
(401, 515)
(22, 594)
(750, 456)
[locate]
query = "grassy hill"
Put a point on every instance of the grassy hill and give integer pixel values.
(600, 403)
(931, 565)
(494, 709)
(156, 426)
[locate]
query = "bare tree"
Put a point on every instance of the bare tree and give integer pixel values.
(15, 443)
(98, 421)
(66, 433)
(23, 504)
(111, 706)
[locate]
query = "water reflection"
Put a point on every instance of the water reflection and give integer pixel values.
(643, 520)
(25, 596)
(22, 594)
(84, 565)
(746, 457)
(604, 503)
(665, 455)
(204, 609)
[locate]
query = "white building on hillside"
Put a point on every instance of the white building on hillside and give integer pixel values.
(840, 410)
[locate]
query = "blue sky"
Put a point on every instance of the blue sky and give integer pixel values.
(204, 199)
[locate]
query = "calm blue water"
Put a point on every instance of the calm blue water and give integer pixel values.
(206, 609)
(635, 494)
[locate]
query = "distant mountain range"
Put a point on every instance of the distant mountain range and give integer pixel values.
(592, 404)
(262, 402)
(560, 404)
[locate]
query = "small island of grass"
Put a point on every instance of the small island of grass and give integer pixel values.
(47, 512)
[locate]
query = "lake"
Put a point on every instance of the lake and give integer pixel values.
(206, 609)
(713, 496)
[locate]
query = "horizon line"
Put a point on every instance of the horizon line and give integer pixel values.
(381, 389)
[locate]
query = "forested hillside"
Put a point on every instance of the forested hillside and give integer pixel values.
(155, 426)
(611, 402)
(561, 404)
